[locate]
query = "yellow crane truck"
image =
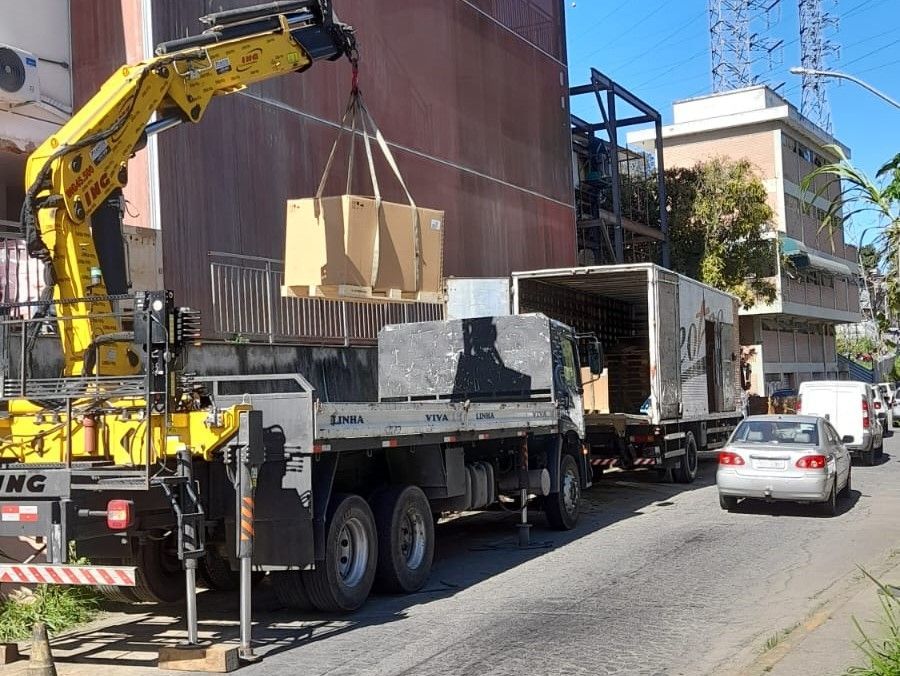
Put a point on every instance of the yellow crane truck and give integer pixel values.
(156, 475)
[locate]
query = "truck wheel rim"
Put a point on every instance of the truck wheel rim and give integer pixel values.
(412, 539)
(570, 492)
(353, 552)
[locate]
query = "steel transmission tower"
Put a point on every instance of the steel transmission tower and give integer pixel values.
(734, 44)
(815, 48)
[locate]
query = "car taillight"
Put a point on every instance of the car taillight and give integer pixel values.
(865, 410)
(877, 405)
(799, 406)
(730, 458)
(811, 462)
(119, 514)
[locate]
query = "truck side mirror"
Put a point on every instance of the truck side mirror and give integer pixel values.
(595, 358)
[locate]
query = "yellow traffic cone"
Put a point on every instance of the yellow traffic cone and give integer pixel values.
(41, 662)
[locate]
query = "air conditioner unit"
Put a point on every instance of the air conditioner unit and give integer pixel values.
(19, 81)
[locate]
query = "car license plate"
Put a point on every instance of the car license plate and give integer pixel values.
(769, 464)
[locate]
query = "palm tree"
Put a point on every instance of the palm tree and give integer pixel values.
(861, 195)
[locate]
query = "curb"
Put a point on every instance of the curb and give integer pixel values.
(750, 662)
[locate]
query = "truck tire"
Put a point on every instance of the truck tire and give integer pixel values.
(117, 594)
(160, 575)
(342, 582)
(215, 572)
(405, 539)
(479, 489)
(562, 508)
(113, 593)
(290, 589)
(687, 469)
(867, 457)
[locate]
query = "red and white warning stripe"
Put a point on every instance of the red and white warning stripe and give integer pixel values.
(615, 462)
(639, 462)
(19, 513)
(605, 462)
(121, 576)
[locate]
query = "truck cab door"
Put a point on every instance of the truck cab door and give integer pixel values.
(567, 380)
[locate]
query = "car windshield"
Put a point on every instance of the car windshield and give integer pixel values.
(777, 432)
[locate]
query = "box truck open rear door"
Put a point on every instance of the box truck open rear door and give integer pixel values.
(666, 377)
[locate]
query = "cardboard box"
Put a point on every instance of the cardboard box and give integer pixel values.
(330, 241)
(595, 391)
(397, 249)
(348, 240)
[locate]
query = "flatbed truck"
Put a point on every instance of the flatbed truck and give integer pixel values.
(157, 476)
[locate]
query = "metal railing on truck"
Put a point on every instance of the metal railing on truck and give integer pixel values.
(30, 367)
(247, 304)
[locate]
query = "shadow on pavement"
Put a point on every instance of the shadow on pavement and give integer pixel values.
(794, 509)
(470, 549)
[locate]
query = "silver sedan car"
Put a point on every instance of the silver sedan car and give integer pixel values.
(798, 458)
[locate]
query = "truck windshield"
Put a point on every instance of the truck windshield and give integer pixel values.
(776, 432)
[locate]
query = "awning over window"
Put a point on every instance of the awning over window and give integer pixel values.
(805, 258)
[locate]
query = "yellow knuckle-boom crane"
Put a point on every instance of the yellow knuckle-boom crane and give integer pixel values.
(77, 171)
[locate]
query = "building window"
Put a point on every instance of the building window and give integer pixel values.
(791, 204)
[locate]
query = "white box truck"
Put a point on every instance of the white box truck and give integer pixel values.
(670, 392)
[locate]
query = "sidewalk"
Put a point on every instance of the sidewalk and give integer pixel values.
(825, 644)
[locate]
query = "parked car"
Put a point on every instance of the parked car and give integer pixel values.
(889, 394)
(850, 407)
(882, 410)
(799, 458)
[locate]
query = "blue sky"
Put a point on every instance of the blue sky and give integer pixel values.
(659, 49)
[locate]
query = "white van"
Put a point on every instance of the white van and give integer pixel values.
(849, 406)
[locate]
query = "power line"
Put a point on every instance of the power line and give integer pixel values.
(867, 54)
(671, 68)
(637, 24)
(603, 18)
(862, 8)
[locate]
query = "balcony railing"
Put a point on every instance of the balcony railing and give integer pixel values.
(23, 276)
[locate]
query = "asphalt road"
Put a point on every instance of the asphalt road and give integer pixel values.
(655, 580)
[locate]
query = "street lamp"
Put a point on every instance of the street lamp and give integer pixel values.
(796, 70)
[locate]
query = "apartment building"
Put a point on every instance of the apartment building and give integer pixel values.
(792, 339)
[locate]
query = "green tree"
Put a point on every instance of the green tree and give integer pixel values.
(718, 216)
(869, 257)
(858, 348)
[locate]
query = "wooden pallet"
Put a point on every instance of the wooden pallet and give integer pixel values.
(351, 292)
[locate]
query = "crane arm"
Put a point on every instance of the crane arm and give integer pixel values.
(74, 172)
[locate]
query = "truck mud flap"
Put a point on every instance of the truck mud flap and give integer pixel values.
(34, 502)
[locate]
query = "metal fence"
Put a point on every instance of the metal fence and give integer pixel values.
(248, 305)
(23, 276)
